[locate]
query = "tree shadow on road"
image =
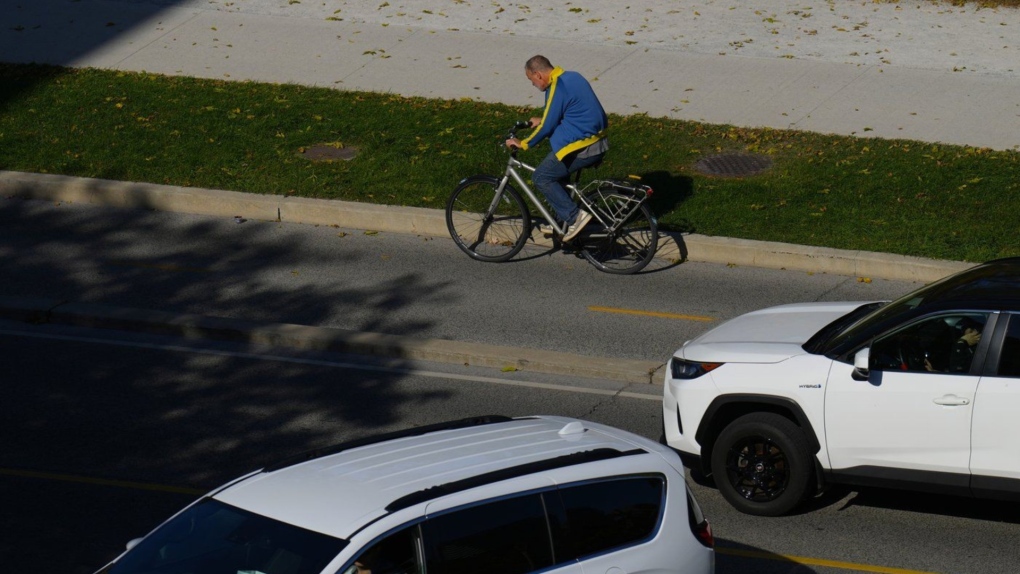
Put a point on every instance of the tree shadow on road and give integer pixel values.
(82, 416)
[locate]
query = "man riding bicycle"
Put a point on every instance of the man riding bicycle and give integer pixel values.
(575, 123)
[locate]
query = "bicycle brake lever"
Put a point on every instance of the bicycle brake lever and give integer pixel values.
(519, 125)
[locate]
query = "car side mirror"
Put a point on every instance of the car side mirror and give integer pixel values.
(862, 361)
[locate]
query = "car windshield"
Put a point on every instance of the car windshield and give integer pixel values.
(215, 538)
(979, 283)
(817, 344)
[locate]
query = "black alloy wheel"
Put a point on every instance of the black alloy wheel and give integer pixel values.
(762, 464)
(757, 468)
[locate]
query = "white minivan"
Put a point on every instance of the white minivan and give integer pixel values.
(488, 494)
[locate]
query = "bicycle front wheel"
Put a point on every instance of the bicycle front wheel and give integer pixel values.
(631, 246)
(487, 225)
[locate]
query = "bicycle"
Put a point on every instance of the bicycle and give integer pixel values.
(490, 221)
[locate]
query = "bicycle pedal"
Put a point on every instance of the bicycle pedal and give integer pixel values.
(545, 229)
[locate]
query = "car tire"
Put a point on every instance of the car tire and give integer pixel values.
(762, 464)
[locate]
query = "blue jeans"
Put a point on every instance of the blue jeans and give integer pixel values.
(551, 174)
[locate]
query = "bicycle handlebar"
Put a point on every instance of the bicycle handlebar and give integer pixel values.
(519, 125)
(512, 134)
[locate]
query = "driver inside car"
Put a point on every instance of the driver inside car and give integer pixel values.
(967, 332)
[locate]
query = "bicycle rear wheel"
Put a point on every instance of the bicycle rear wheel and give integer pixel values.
(487, 227)
(628, 249)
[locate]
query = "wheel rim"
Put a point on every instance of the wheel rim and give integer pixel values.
(495, 237)
(758, 469)
(621, 251)
(627, 250)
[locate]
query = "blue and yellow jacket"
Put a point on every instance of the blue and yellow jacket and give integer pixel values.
(573, 118)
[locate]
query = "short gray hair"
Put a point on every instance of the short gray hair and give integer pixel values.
(538, 64)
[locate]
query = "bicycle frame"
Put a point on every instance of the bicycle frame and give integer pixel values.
(489, 218)
(513, 164)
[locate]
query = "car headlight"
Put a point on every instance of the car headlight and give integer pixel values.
(681, 369)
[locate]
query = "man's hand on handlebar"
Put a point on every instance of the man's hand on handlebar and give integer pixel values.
(513, 142)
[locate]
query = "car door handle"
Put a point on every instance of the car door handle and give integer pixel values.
(951, 401)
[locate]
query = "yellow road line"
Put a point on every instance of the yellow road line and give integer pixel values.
(99, 481)
(649, 313)
(815, 561)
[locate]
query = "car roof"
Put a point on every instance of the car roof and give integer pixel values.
(340, 492)
(991, 285)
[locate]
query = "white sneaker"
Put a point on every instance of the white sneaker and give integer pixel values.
(582, 219)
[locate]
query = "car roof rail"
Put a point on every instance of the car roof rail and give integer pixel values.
(1013, 259)
(374, 439)
(566, 460)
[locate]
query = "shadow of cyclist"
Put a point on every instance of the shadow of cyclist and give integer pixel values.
(670, 191)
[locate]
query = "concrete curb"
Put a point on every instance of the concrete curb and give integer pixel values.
(97, 316)
(676, 247)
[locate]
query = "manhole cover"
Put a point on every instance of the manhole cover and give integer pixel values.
(733, 164)
(328, 153)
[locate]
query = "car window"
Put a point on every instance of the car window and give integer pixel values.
(984, 282)
(1009, 358)
(601, 516)
(397, 553)
(215, 537)
(508, 536)
(941, 344)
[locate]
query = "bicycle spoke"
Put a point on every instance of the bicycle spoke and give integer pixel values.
(479, 237)
(484, 228)
(632, 245)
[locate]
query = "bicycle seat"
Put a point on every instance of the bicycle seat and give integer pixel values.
(577, 174)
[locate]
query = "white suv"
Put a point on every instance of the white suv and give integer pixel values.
(922, 393)
(488, 494)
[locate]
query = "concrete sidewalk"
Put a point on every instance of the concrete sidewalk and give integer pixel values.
(882, 101)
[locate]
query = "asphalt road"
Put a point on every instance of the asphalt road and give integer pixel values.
(105, 434)
(387, 283)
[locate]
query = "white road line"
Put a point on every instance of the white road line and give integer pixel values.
(337, 364)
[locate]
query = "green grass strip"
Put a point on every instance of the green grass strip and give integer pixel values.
(894, 196)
